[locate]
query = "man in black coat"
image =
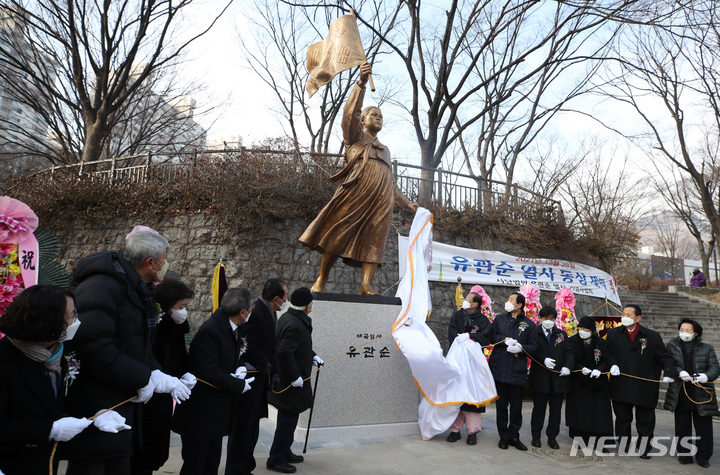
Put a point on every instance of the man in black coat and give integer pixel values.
(637, 351)
(259, 331)
(469, 319)
(549, 387)
(207, 416)
(291, 392)
(508, 364)
(114, 345)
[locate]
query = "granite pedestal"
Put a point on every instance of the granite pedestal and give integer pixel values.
(368, 393)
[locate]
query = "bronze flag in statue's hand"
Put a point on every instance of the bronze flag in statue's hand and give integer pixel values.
(341, 50)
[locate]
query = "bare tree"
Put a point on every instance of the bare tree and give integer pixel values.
(673, 68)
(604, 206)
(671, 240)
(83, 62)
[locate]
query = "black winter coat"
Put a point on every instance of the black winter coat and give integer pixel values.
(294, 357)
(214, 356)
(464, 322)
(28, 408)
(114, 346)
(259, 331)
(588, 407)
(704, 361)
(543, 380)
(646, 357)
(508, 367)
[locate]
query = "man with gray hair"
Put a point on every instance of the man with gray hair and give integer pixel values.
(215, 357)
(114, 347)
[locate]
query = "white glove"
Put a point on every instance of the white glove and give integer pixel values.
(511, 342)
(189, 380)
(595, 373)
(109, 421)
(550, 363)
(298, 383)
(181, 392)
(514, 349)
(317, 361)
(702, 378)
(565, 371)
(685, 376)
(162, 383)
(668, 380)
(68, 427)
(586, 371)
(241, 372)
(145, 393)
(614, 370)
(247, 384)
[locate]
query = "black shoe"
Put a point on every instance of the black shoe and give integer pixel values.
(292, 458)
(472, 439)
(685, 460)
(704, 464)
(536, 442)
(454, 437)
(503, 444)
(552, 443)
(645, 456)
(518, 445)
(282, 468)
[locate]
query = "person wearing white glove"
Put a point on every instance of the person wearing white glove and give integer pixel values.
(698, 365)
(207, 416)
(638, 352)
(109, 421)
(294, 359)
(68, 427)
(549, 384)
(509, 368)
(590, 387)
(317, 361)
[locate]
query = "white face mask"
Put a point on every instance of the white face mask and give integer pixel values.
(178, 315)
(70, 331)
(547, 324)
(686, 336)
(584, 334)
(466, 304)
(163, 269)
(284, 307)
(509, 307)
(627, 321)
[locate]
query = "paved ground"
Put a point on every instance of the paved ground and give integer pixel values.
(410, 455)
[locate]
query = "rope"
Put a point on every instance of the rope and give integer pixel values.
(707, 390)
(601, 306)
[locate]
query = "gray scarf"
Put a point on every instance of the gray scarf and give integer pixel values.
(36, 352)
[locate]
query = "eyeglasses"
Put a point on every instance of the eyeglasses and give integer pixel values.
(74, 315)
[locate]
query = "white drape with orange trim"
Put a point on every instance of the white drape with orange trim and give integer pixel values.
(445, 383)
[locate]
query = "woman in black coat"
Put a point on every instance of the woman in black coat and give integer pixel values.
(34, 377)
(588, 411)
(696, 363)
(169, 349)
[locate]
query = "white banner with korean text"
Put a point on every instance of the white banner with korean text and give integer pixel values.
(497, 268)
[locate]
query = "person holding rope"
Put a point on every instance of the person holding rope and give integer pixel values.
(549, 379)
(508, 364)
(215, 359)
(637, 357)
(291, 392)
(469, 319)
(690, 397)
(588, 412)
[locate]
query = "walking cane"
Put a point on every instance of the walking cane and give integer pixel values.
(307, 432)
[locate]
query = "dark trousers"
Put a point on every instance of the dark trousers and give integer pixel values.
(644, 423)
(509, 395)
(540, 404)
(116, 466)
(201, 456)
(684, 420)
(284, 436)
(240, 448)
